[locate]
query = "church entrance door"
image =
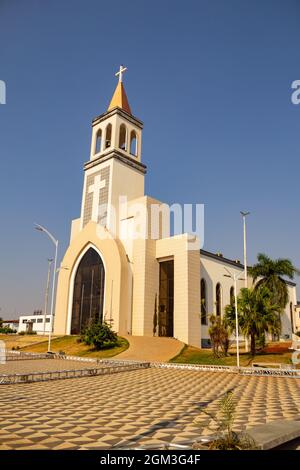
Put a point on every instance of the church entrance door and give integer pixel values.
(88, 293)
(166, 298)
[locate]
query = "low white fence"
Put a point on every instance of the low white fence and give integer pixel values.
(257, 371)
(8, 379)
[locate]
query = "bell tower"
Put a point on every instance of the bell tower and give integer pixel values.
(115, 169)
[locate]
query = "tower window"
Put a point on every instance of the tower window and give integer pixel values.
(98, 147)
(218, 299)
(123, 137)
(108, 136)
(133, 143)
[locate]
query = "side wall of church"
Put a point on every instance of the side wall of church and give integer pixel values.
(213, 272)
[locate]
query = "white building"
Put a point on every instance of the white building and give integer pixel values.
(151, 284)
(12, 324)
(34, 323)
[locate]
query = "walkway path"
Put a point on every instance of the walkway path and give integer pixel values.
(149, 406)
(148, 348)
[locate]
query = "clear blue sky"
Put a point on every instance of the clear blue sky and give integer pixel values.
(211, 79)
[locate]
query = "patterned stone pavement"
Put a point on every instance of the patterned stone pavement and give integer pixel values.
(44, 365)
(141, 406)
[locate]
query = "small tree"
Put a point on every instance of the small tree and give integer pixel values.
(99, 335)
(223, 419)
(219, 336)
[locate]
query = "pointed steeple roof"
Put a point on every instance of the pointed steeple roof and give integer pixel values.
(119, 99)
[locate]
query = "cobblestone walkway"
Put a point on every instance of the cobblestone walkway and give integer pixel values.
(142, 406)
(42, 365)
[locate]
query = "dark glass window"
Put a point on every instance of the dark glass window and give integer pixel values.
(166, 298)
(88, 292)
(292, 315)
(218, 299)
(203, 302)
(232, 299)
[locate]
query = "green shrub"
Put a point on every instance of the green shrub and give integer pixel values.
(6, 330)
(100, 336)
(22, 333)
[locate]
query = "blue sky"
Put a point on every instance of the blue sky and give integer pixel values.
(211, 79)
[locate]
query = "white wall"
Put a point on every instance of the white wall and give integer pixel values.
(212, 270)
(37, 326)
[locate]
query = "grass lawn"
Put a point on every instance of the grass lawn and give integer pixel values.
(15, 340)
(191, 355)
(67, 344)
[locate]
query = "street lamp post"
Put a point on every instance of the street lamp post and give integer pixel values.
(47, 291)
(244, 215)
(235, 277)
(40, 228)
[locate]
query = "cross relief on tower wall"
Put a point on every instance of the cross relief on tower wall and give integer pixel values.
(96, 197)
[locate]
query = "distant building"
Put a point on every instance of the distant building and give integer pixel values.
(12, 324)
(32, 323)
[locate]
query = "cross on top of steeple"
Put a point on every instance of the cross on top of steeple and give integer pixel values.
(119, 99)
(120, 73)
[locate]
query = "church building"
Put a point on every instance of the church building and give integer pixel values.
(122, 265)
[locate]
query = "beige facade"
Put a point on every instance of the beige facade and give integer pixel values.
(122, 266)
(117, 222)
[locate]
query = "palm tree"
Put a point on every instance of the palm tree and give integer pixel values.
(270, 273)
(257, 314)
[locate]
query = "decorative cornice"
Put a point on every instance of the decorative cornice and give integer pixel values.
(122, 113)
(133, 163)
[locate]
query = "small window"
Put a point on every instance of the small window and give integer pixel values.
(218, 299)
(232, 297)
(24, 321)
(203, 302)
(47, 320)
(98, 141)
(39, 320)
(108, 136)
(33, 320)
(133, 143)
(123, 137)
